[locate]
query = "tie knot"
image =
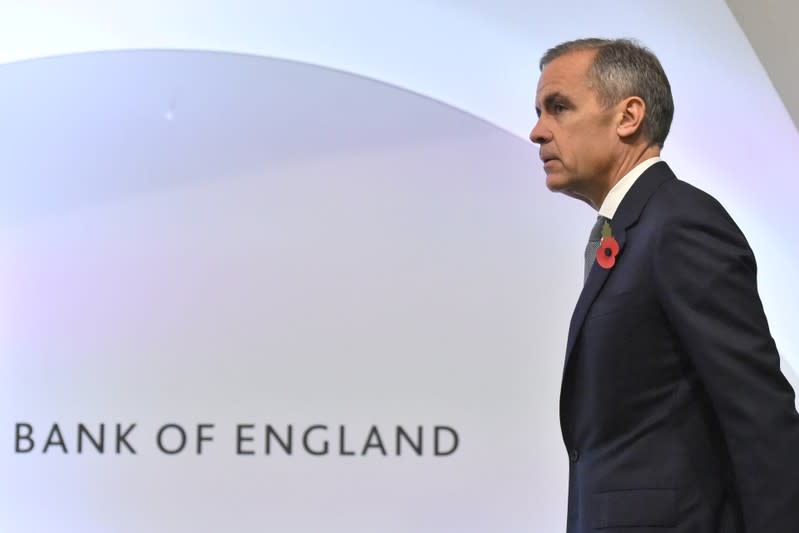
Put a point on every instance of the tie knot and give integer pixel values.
(596, 231)
(593, 245)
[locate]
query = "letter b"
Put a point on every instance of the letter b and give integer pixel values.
(23, 437)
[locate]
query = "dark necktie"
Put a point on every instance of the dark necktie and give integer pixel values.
(593, 245)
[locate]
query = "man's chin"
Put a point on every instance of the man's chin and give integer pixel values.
(556, 183)
(565, 187)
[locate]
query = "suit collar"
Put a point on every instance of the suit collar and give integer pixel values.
(626, 216)
(636, 198)
(617, 193)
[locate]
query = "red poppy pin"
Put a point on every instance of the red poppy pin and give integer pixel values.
(608, 248)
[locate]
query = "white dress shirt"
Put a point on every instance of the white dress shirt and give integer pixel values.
(617, 193)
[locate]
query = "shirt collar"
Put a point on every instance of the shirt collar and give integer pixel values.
(617, 193)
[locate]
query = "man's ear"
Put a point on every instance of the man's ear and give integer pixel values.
(632, 111)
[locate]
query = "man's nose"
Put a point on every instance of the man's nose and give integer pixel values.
(540, 134)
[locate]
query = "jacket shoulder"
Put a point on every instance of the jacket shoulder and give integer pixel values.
(677, 200)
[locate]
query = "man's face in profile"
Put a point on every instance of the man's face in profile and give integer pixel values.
(577, 137)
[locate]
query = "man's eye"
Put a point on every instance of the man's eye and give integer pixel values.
(558, 108)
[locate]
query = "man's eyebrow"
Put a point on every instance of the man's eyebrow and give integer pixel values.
(551, 98)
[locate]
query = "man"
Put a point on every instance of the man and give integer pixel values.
(674, 411)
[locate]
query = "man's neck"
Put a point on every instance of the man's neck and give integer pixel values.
(625, 164)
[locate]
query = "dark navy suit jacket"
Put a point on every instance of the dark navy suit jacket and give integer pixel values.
(674, 410)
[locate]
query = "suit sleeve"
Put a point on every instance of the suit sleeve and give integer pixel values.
(706, 280)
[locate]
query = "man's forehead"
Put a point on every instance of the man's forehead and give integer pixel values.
(565, 74)
(548, 88)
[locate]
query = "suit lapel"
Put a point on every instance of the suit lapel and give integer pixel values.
(596, 280)
(626, 216)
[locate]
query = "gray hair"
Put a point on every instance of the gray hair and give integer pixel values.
(624, 68)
